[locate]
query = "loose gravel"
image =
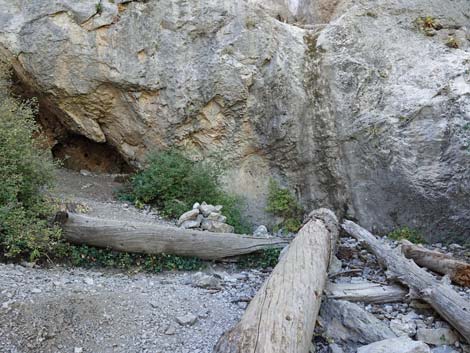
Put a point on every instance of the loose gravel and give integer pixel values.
(79, 310)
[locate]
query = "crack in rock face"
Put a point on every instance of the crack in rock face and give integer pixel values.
(354, 107)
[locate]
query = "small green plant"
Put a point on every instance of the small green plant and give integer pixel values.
(407, 233)
(428, 25)
(282, 203)
(371, 14)
(99, 8)
(173, 183)
(452, 42)
(228, 50)
(263, 259)
(465, 131)
(250, 22)
(25, 169)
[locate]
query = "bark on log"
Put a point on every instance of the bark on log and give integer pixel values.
(282, 315)
(447, 302)
(458, 271)
(366, 292)
(158, 239)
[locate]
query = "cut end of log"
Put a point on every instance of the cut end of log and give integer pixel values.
(462, 275)
(61, 217)
(327, 216)
(458, 271)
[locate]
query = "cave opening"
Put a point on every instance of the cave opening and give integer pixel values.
(73, 151)
(78, 152)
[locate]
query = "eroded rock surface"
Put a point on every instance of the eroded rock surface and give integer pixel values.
(351, 103)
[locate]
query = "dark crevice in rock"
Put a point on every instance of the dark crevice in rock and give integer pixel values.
(319, 150)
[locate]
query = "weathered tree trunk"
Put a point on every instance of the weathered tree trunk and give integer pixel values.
(366, 292)
(281, 317)
(448, 303)
(158, 239)
(458, 271)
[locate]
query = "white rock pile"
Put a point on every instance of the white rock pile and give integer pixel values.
(205, 217)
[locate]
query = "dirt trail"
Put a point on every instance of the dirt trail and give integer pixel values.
(94, 194)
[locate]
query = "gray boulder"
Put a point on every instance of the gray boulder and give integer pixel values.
(188, 216)
(203, 280)
(261, 231)
(348, 323)
(216, 227)
(396, 345)
(207, 210)
(191, 224)
(437, 336)
(186, 320)
(216, 216)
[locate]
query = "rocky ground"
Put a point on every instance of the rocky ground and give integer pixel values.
(80, 310)
(340, 332)
(77, 310)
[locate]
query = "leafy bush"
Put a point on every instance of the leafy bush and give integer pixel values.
(282, 203)
(173, 183)
(25, 169)
(407, 233)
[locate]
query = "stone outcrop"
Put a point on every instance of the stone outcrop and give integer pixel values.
(352, 103)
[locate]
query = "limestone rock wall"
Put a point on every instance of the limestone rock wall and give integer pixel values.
(349, 102)
(402, 109)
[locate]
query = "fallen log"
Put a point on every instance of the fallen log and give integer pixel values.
(150, 238)
(458, 271)
(366, 292)
(442, 298)
(282, 315)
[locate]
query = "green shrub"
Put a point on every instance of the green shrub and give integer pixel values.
(282, 203)
(25, 169)
(173, 183)
(407, 233)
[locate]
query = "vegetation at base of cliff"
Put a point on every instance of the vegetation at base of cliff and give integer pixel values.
(407, 233)
(25, 169)
(282, 203)
(86, 256)
(262, 259)
(173, 183)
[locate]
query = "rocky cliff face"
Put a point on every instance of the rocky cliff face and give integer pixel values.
(359, 105)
